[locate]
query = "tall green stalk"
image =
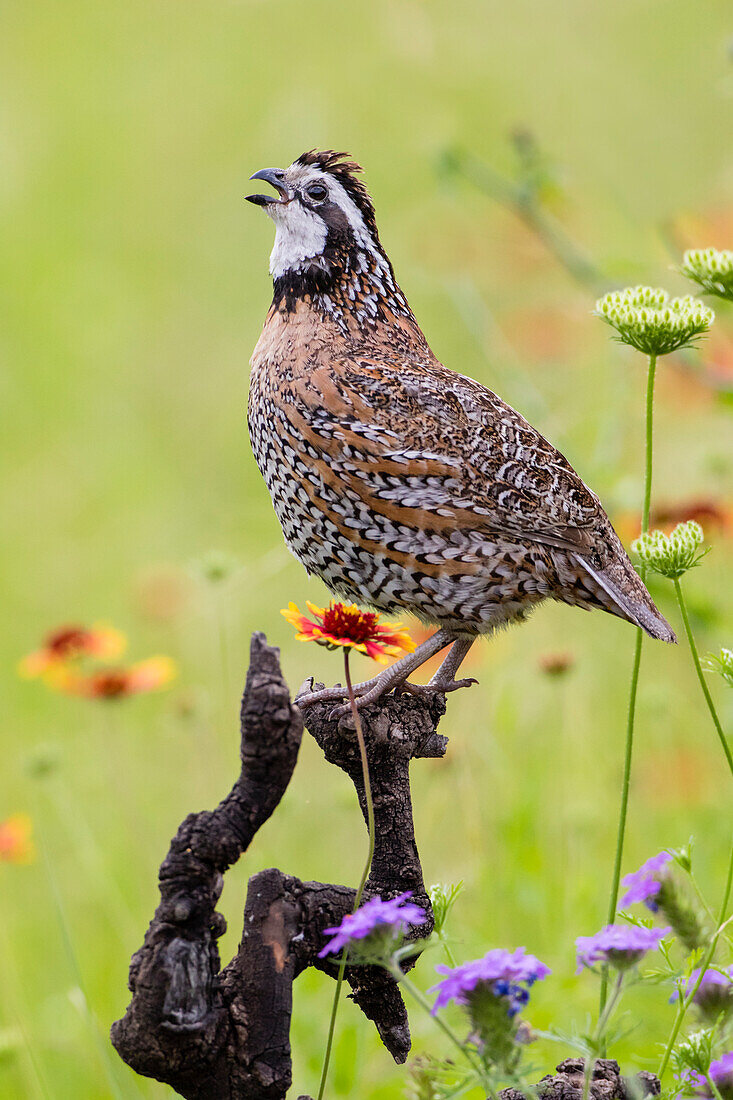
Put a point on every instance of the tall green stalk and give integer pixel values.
(365, 872)
(631, 718)
(700, 673)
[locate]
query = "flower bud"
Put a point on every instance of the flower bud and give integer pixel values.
(673, 554)
(442, 898)
(710, 269)
(648, 320)
(723, 663)
(685, 918)
(714, 995)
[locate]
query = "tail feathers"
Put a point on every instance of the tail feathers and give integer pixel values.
(629, 597)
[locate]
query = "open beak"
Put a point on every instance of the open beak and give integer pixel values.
(275, 177)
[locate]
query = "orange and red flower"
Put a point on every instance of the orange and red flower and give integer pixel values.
(704, 510)
(346, 626)
(78, 660)
(114, 683)
(16, 844)
(67, 643)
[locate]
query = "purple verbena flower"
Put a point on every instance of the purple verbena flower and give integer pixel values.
(645, 884)
(714, 992)
(720, 1073)
(619, 945)
(505, 973)
(393, 915)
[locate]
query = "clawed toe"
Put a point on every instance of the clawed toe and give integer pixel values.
(322, 696)
(327, 695)
(454, 685)
(340, 712)
(435, 689)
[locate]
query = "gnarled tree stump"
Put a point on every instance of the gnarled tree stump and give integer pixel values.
(216, 1034)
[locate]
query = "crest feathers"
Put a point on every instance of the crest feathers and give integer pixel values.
(344, 169)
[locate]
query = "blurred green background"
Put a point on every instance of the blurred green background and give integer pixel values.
(134, 288)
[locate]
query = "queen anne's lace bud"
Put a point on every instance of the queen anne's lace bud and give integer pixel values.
(710, 269)
(723, 663)
(442, 899)
(646, 318)
(673, 554)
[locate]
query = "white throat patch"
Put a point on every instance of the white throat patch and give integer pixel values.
(300, 235)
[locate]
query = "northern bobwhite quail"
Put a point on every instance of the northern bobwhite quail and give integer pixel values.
(404, 485)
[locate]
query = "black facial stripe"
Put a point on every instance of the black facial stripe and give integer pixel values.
(336, 220)
(330, 211)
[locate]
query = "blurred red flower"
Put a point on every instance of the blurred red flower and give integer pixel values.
(114, 683)
(709, 513)
(16, 844)
(67, 643)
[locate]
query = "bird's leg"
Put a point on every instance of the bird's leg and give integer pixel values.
(457, 655)
(370, 690)
(444, 679)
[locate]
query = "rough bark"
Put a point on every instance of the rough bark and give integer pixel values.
(606, 1083)
(217, 1034)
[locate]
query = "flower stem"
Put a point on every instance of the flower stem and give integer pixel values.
(714, 1090)
(633, 689)
(600, 1031)
(418, 995)
(365, 872)
(446, 947)
(649, 441)
(685, 1003)
(365, 774)
(700, 673)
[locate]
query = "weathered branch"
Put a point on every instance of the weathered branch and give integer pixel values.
(224, 1035)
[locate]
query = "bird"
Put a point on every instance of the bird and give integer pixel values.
(404, 485)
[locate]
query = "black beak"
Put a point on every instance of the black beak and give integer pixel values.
(275, 176)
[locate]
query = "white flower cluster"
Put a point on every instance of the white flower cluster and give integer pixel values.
(646, 318)
(710, 269)
(673, 554)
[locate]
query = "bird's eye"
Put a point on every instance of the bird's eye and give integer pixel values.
(317, 192)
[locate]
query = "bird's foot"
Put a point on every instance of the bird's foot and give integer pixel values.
(367, 692)
(377, 691)
(371, 690)
(394, 676)
(434, 688)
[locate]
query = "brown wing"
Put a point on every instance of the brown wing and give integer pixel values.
(434, 450)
